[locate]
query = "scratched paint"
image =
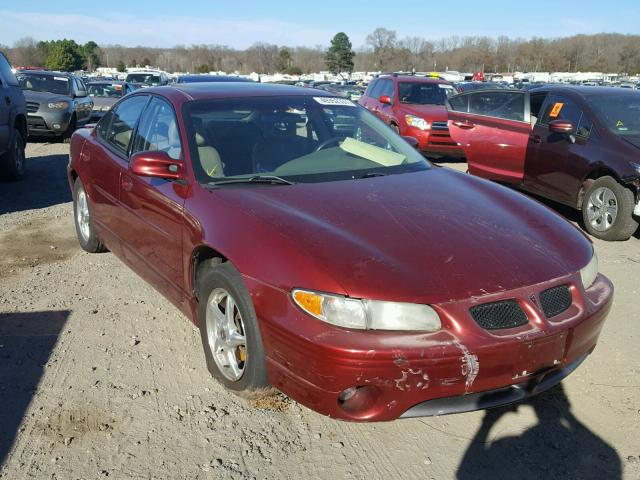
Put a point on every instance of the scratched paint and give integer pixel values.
(412, 379)
(470, 366)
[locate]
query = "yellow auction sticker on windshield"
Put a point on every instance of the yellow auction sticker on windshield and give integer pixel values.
(555, 111)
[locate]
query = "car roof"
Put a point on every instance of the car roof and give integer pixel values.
(587, 91)
(416, 79)
(47, 72)
(105, 82)
(204, 90)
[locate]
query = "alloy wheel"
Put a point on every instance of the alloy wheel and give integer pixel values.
(83, 215)
(226, 334)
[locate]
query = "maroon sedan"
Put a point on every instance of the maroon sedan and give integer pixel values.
(575, 145)
(318, 252)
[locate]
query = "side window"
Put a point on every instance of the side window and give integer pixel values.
(560, 108)
(505, 105)
(6, 75)
(459, 103)
(122, 123)
(102, 128)
(158, 130)
(377, 88)
(370, 88)
(387, 89)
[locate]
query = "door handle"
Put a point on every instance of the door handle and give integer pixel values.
(466, 125)
(536, 138)
(127, 183)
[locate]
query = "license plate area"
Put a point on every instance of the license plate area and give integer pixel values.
(540, 354)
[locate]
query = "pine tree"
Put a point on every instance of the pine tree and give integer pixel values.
(339, 57)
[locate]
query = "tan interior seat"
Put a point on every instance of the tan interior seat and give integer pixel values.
(209, 158)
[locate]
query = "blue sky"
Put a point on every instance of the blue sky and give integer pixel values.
(240, 23)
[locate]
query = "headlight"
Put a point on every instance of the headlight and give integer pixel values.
(589, 273)
(417, 122)
(367, 314)
(635, 166)
(58, 105)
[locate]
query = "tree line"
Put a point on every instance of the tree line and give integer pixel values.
(383, 51)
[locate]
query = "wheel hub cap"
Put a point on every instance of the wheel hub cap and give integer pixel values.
(602, 209)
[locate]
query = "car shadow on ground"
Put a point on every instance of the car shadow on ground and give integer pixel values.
(26, 342)
(44, 185)
(558, 446)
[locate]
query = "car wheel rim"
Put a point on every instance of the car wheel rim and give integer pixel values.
(226, 334)
(602, 209)
(82, 215)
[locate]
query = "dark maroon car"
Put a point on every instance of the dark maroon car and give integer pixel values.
(579, 146)
(318, 252)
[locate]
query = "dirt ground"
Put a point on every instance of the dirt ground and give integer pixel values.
(101, 377)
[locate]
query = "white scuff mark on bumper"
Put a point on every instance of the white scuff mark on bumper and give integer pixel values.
(636, 211)
(412, 379)
(470, 366)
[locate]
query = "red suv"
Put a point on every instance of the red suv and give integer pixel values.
(414, 107)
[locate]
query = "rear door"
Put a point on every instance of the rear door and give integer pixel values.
(557, 162)
(104, 161)
(493, 129)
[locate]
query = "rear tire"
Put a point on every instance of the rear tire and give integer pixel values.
(85, 230)
(231, 336)
(66, 136)
(607, 210)
(12, 163)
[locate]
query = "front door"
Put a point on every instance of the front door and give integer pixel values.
(556, 161)
(153, 207)
(493, 129)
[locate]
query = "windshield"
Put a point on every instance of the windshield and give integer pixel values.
(44, 83)
(424, 93)
(619, 113)
(105, 90)
(151, 79)
(300, 138)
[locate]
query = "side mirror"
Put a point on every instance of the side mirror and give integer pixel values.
(412, 141)
(385, 99)
(155, 164)
(562, 126)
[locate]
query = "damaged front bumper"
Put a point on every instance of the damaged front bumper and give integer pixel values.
(385, 375)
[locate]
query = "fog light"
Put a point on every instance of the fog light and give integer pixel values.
(360, 402)
(56, 126)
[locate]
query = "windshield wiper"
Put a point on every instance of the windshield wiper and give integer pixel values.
(373, 174)
(265, 179)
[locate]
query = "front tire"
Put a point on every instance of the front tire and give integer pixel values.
(12, 163)
(607, 210)
(85, 230)
(229, 329)
(66, 136)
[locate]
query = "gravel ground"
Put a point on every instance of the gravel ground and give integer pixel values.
(101, 377)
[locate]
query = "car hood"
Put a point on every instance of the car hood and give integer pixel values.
(434, 113)
(40, 97)
(427, 237)
(633, 140)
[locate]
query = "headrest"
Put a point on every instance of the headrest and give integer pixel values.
(200, 140)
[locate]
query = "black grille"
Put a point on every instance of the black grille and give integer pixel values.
(504, 314)
(555, 300)
(439, 126)
(32, 107)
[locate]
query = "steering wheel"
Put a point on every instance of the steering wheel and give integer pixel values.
(328, 142)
